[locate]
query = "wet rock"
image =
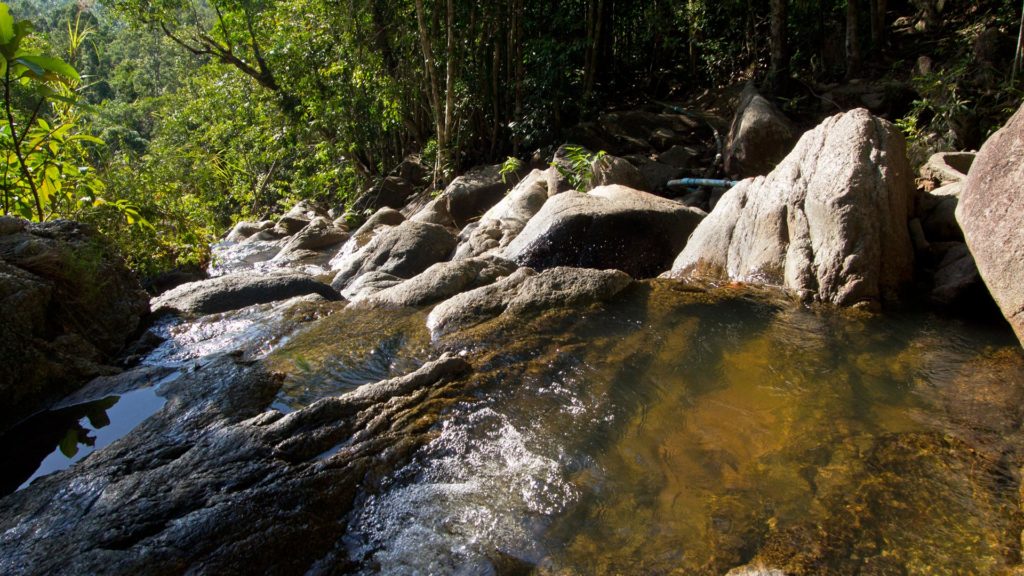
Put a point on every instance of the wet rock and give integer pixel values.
(391, 192)
(381, 220)
(759, 138)
(369, 284)
(441, 281)
(319, 234)
(830, 222)
(751, 570)
(991, 212)
(506, 219)
(213, 484)
(476, 191)
(609, 170)
(232, 257)
(948, 167)
(611, 227)
(235, 291)
(404, 251)
(525, 291)
(243, 230)
(68, 305)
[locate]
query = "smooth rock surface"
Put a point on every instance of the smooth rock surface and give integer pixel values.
(475, 192)
(380, 220)
(523, 291)
(404, 251)
(830, 222)
(235, 291)
(610, 227)
(441, 281)
(991, 214)
(609, 170)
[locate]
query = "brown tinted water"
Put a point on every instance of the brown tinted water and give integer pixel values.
(675, 432)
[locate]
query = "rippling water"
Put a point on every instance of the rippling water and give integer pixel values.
(679, 433)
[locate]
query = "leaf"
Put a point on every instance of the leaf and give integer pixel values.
(6, 25)
(49, 67)
(69, 444)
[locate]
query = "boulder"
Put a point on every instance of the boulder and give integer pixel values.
(243, 230)
(297, 218)
(412, 170)
(391, 192)
(991, 215)
(937, 211)
(369, 284)
(947, 167)
(655, 174)
(320, 233)
(476, 191)
(608, 170)
(69, 305)
(506, 219)
(681, 157)
(611, 227)
(435, 212)
(957, 284)
(641, 131)
(525, 291)
(441, 281)
(235, 291)
(381, 220)
(830, 222)
(760, 136)
(557, 180)
(233, 257)
(404, 251)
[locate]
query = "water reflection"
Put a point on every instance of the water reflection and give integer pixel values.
(56, 439)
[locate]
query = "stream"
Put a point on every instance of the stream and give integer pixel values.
(668, 431)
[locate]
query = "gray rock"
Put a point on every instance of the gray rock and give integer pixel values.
(391, 192)
(948, 167)
(760, 136)
(506, 219)
(404, 251)
(957, 283)
(298, 217)
(609, 170)
(830, 222)
(680, 157)
(369, 284)
(556, 175)
(381, 220)
(243, 230)
(441, 281)
(938, 214)
(611, 227)
(214, 484)
(319, 234)
(525, 291)
(991, 215)
(68, 304)
(655, 173)
(232, 257)
(476, 191)
(435, 212)
(235, 291)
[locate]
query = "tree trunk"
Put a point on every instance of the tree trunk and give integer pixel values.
(434, 94)
(853, 60)
(778, 71)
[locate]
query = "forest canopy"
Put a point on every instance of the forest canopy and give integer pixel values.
(165, 121)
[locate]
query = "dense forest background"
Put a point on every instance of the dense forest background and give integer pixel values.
(188, 115)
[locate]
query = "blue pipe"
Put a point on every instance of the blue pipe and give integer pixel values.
(682, 182)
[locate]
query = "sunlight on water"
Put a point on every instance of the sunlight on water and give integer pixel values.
(670, 433)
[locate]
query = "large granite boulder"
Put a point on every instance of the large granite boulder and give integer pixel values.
(390, 192)
(759, 138)
(380, 220)
(476, 191)
(319, 234)
(404, 250)
(235, 291)
(441, 281)
(68, 305)
(506, 219)
(610, 227)
(609, 169)
(297, 217)
(991, 214)
(525, 291)
(830, 222)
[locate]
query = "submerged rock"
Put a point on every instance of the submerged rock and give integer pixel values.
(830, 222)
(236, 291)
(610, 227)
(991, 214)
(523, 291)
(404, 250)
(68, 305)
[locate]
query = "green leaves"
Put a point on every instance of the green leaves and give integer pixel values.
(47, 68)
(6, 25)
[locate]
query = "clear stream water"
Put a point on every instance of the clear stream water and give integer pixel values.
(678, 432)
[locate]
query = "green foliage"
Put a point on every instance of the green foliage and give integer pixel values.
(510, 167)
(578, 166)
